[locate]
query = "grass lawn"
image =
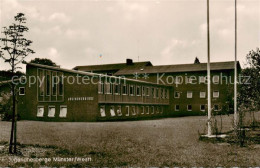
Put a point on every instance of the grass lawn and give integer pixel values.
(162, 142)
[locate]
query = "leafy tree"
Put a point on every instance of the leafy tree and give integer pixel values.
(14, 50)
(43, 61)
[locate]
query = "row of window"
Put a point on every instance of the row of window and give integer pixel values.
(202, 107)
(132, 90)
(50, 83)
(133, 110)
(202, 79)
(177, 94)
(52, 111)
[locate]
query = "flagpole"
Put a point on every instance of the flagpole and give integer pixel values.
(235, 68)
(208, 73)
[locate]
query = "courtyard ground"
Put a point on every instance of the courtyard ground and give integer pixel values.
(161, 142)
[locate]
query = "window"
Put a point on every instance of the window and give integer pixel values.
(132, 90)
(215, 79)
(48, 84)
(177, 107)
(133, 110)
(61, 85)
(143, 91)
(118, 111)
(108, 88)
(189, 94)
(202, 94)
(162, 93)
(152, 110)
(157, 110)
(40, 111)
(147, 91)
(189, 107)
(157, 92)
(147, 109)
(138, 91)
(63, 111)
(21, 90)
(216, 107)
(167, 94)
(202, 79)
(112, 111)
(100, 87)
(142, 109)
(127, 111)
(54, 83)
(124, 90)
(153, 93)
(51, 111)
(102, 111)
(215, 94)
(41, 82)
(177, 94)
(161, 110)
(202, 107)
(117, 89)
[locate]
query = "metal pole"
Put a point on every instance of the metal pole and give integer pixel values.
(208, 73)
(235, 68)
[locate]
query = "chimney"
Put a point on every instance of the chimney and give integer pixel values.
(129, 62)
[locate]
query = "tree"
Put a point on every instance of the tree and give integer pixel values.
(16, 48)
(43, 61)
(196, 61)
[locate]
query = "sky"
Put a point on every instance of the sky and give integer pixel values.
(90, 32)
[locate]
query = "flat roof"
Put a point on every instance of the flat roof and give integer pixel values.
(90, 73)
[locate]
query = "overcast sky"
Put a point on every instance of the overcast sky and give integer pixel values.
(87, 32)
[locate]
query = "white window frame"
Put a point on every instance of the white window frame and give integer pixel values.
(20, 91)
(51, 107)
(119, 111)
(189, 97)
(40, 107)
(101, 84)
(125, 89)
(117, 92)
(201, 95)
(188, 107)
(215, 79)
(216, 96)
(147, 90)
(140, 91)
(204, 107)
(152, 110)
(133, 110)
(63, 106)
(112, 111)
(102, 113)
(147, 110)
(132, 89)
(176, 108)
(143, 91)
(111, 88)
(143, 109)
(202, 79)
(127, 111)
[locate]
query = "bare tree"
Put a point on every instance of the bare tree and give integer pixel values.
(15, 48)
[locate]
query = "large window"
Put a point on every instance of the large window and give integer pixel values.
(203, 94)
(189, 94)
(215, 94)
(138, 91)
(112, 111)
(189, 107)
(202, 107)
(63, 111)
(51, 111)
(21, 90)
(102, 111)
(61, 85)
(124, 90)
(100, 87)
(40, 111)
(117, 89)
(109, 88)
(177, 94)
(132, 90)
(177, 107)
